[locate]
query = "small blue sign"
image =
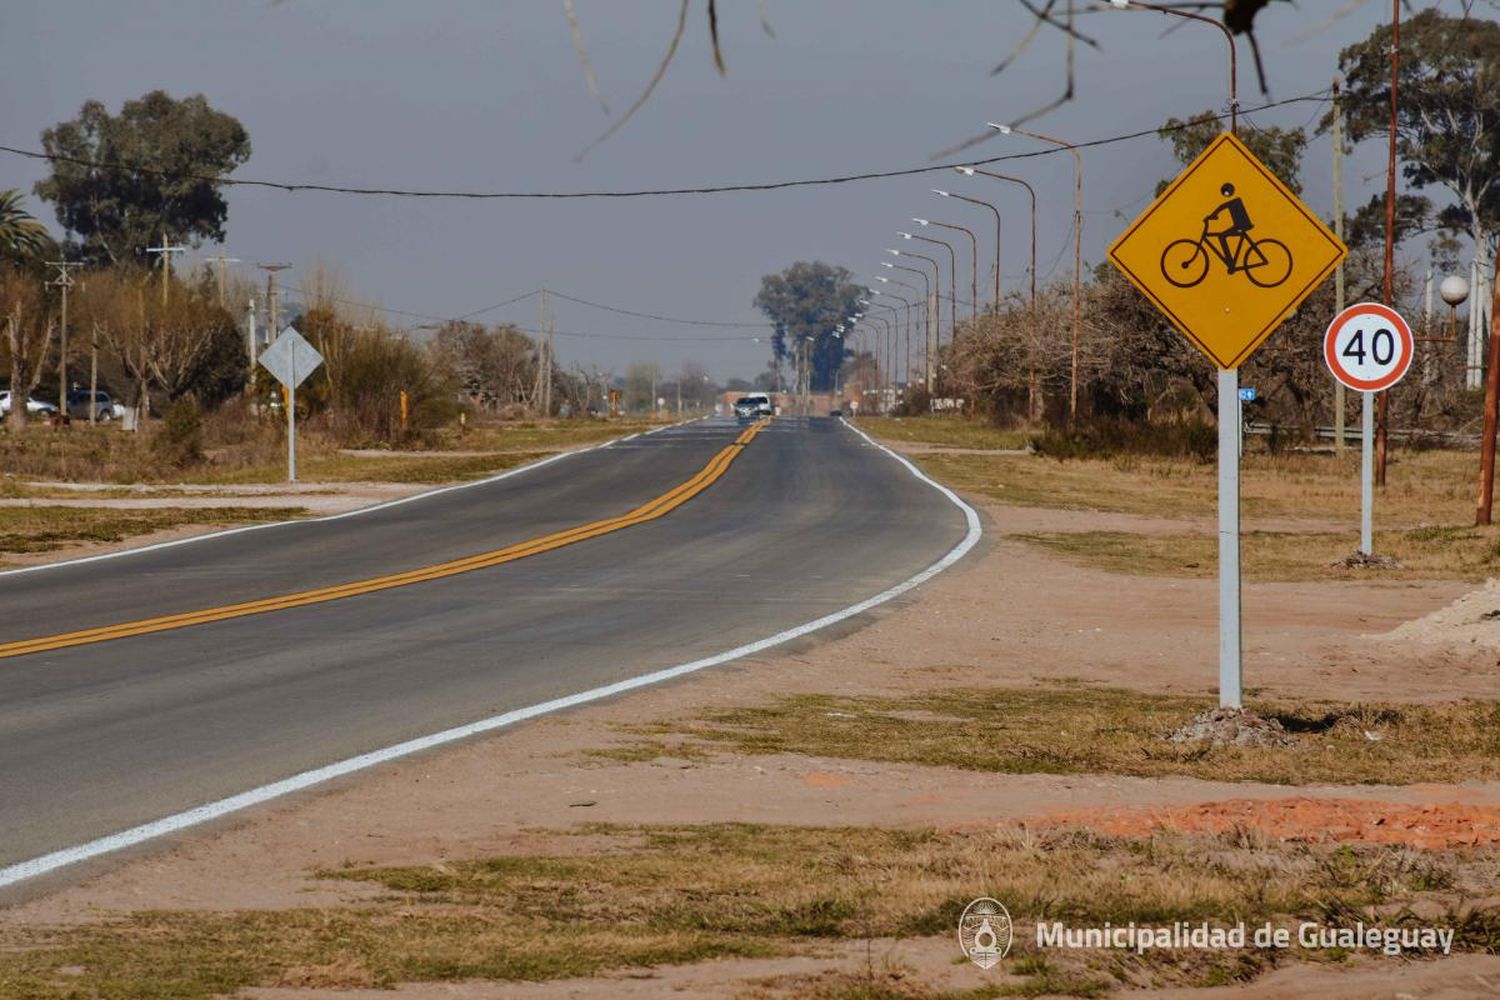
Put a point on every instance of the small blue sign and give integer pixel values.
(1247, 394)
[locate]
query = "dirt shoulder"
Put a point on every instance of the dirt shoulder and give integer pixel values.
(1010, 616)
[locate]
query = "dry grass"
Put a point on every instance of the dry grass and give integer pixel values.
(944, 431)
(1074, 730)
(1425, 488)
(664, 895)
(254, 451)
(538, 435)
(1275, 556)
(338, 467)
(46, 529)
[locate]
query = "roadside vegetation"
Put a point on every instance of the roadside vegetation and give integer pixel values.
(945, 432)
(43, 528)
(611, 897)
(1072, 729)
(1430, 553)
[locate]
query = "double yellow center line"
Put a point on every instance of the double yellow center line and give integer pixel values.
(650, 511)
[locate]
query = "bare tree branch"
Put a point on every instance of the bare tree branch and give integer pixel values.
(583, 54)
(656, 78)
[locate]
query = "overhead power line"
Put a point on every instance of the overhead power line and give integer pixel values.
(766, 324)
(1317, 96)
(717, 338)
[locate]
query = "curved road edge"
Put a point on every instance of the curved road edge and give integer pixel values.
(178, 822)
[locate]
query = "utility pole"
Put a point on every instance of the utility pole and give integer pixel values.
(64, 281)
(222, 263)
(94, 374)
(1491, 408)
(1388, 293)
(1338, 274)
(250, 344)
(166, 250)
(273, 299)
(551, 357)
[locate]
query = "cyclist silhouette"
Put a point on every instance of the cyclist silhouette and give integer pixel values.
(1226, 236)
(1234, 219)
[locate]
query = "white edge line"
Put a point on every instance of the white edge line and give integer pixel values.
(167, 825)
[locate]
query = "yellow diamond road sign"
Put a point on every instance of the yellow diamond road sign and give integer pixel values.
(1227, 252)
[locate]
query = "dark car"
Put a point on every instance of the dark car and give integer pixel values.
(103, 407)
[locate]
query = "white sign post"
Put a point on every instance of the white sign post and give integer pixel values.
(291, 359)
(1368, 348)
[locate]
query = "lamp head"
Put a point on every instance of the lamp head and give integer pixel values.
(893, 253)
(1454, 290)
(922, 222)
(1002, 129)
(904, 236)
(938, 191)
(966, 171)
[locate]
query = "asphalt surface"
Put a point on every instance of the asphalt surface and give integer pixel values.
(95, 739)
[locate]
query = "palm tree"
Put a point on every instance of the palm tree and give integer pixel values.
(21, 235)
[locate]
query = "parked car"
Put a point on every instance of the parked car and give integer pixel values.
(103, 407)
(35, 407)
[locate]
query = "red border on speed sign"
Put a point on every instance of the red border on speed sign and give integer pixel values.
(1398, 365)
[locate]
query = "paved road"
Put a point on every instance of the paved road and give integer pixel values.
(94, 739)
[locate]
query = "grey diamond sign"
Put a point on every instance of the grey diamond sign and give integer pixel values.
(291, 358)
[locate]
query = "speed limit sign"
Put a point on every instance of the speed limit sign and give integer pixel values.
(1368, 347)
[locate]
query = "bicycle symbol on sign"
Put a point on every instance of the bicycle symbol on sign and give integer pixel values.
(1226, 235)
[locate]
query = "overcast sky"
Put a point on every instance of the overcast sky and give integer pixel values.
(489, 96)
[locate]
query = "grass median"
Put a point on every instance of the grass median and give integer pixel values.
(613, 897)
(42, 528)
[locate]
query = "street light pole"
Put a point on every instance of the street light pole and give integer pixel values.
(926, 308)
(904, 301)
(1077, 251)
(905, 304)
(952, 283)
(1234, 96)
(996, 211)
(973, 260)
(970, 172)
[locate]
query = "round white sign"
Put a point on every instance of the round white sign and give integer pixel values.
(1368, 347)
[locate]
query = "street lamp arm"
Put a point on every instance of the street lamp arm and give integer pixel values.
(1234, 70)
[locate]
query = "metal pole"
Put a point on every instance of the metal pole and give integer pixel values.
(1230, 673)
(1077, 258)
(937, 269)
(973, 264)
(94, 375)
(1339, 401)
(1234, 97)
(1388, 286)
(1366, 472)
(250, 337)
(291, 419)
(1491, 408)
